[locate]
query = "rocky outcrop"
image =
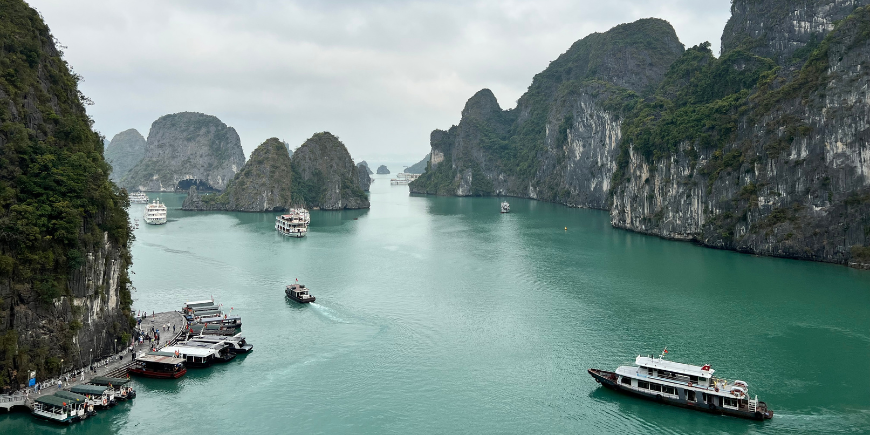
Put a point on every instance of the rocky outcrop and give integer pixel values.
(733, 152)
(289, 151)
(125, 150)
(419, 167)
(64, 232)
(365, 180)
(368, 169)
(325, 177)
(263, 184)
(186, 149)
(383, 170)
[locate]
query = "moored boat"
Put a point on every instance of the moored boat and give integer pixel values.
(684, 385)
(158, 366)
(120, 386)
(299, 293)
(98, 396)
(237, 343)
(56, 409)
(85, 410)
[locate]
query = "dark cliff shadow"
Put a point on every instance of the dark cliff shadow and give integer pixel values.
(334, 218)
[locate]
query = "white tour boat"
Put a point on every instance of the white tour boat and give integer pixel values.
(294, 223)
(684, 385)
(155, 213)
(138, 198)
(505, 207)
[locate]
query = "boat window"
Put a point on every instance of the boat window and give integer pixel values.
(655, 387)
(690, 395)
(669, 390)
(642, 384)
(649, 371)
(731, 403)
(694, 379)
(626, 380)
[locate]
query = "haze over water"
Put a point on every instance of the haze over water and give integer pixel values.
(441, 315)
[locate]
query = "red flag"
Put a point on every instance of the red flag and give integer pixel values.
(666, 351)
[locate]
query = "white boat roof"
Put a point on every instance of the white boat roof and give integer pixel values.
(661, 364)
(190, 351)
(200, 302)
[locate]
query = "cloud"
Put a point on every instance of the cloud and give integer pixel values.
(379, 74)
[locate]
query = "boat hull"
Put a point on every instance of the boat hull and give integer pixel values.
(66, 421)
(609, 380)
(156, 374)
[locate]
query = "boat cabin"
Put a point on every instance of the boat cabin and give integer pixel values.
(55, 408)
(299, 293)
(82, 407)
(193, 356)
(234, 321)
(213, 329)
(699, 376)
(237, 343)
(120, 386)
(158, 366)
(222, 349)
(97, 395)
(202, 303)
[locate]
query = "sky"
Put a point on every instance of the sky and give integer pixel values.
(380, 75)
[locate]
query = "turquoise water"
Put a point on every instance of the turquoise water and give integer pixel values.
(440, 315)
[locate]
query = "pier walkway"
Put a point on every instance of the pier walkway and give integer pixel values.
(115, 365)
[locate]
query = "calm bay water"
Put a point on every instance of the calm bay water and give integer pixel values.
(440, 315)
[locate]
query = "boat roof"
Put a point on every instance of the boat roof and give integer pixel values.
(89, 389)
(106, 380)
(160, 359)
(237, 337)
(204, 307)
(662, 364)
(202, 302)
(53, 400)
(71, 396)
(215, 319)
(191, 350)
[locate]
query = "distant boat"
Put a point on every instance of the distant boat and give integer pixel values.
(138, 198)
(299, 293)
(505, 207)
(294, 223)
(155, 213)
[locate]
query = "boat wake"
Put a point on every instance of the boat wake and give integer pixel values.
(327, 312)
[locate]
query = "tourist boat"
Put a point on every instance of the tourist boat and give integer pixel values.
(155, 213)
(237, 342)
(211, 329)
(298, 293)
(228, 321)
(120, 386)
(684, 385)
(294, 223)
(158, 366)
(56, 409)
(138, 198)
(85, 410)
(98, 396)
(505, 207)
(195, 356)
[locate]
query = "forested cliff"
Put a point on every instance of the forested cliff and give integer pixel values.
(64, 232)
(763, 149)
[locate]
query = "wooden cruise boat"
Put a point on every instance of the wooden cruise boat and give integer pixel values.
(120, 386)
(236, 343)
(98, 396)
(155, 213)
(299, 293)
(294, 223)
(57, 409)
(85, 410)
(158, 366)
(684, 385)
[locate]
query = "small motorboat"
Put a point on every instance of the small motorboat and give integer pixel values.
(505, 207)
(299, 293)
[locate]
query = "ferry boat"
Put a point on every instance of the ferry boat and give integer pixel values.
(193, 356)
(221, 351)
(294, 223)
(298, 293)
(158, 366)
(228, 321)
(56, 409)
(155, 213)
(684, 385)
(505, 207)
(119, 386)
(138, 198)
(98, 396)
(212, 329)
(237, 343)
(85, 410)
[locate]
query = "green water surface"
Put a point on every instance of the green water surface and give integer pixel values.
(441, 315)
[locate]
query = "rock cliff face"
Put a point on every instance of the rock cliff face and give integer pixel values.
(125, 150)
(64, 232)
(325, 177)
(383, 170)
(762, 150)
(365, 180)
(185, 149)
(263, 184)
(368, 169)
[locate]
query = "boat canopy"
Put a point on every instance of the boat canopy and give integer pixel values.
(199, 303)
(89, 389)
(105, 380)
(71, 397)
(661, 364)
(53, 400)
(191, 351)
(218, 319)
(160, 359)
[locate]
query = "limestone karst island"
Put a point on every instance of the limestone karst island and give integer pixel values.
(482, 217)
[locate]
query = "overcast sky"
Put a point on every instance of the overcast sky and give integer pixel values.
(381, 75)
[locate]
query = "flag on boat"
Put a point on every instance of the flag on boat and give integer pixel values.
(706, 367)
